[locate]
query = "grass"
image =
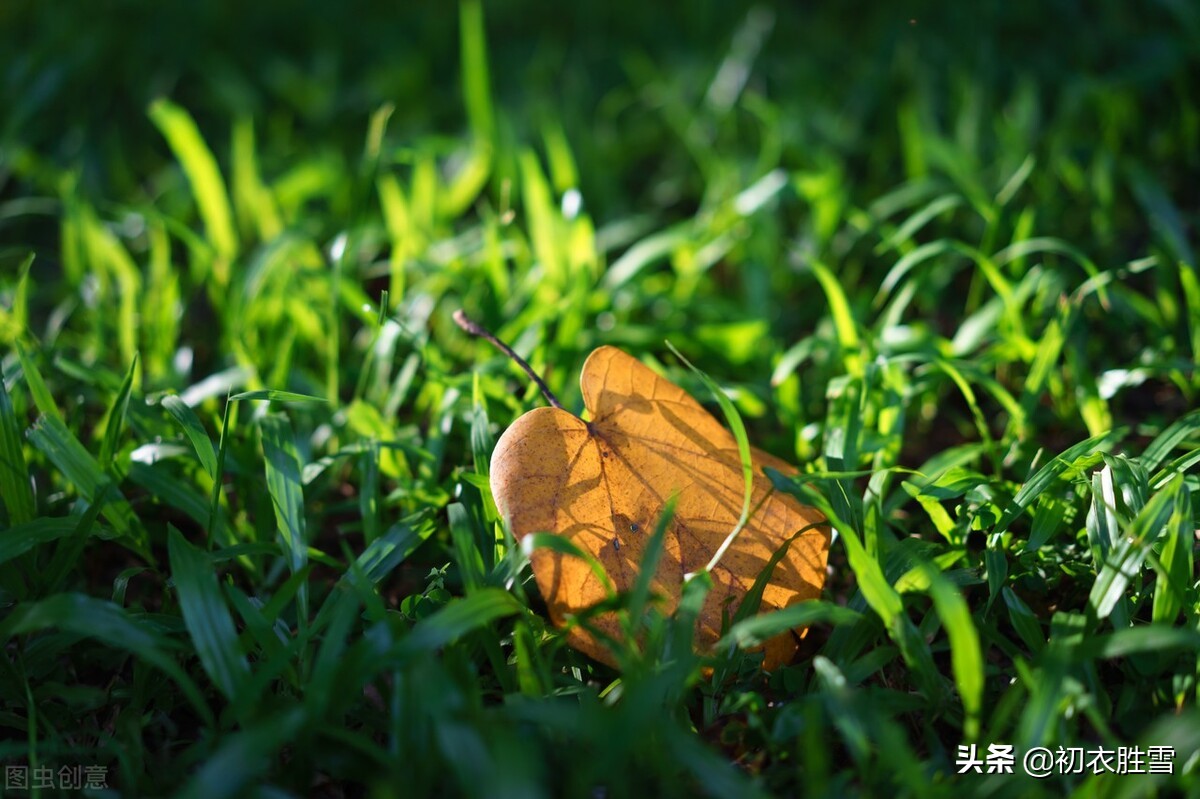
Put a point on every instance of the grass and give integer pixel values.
(247, 543)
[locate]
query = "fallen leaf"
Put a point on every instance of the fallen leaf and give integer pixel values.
(603, 484)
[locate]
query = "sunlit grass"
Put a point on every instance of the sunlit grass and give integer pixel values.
(248, 538)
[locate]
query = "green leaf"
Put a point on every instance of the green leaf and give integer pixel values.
(843, 319)
(243, 757)
(966, 658)
(174, 492)
(755, 630)
(477, 93)
(390, 550)
(1174, 584)
(284, 486)
(59, 444)
(116, 418)
(37, 386)
(195, 432)
(1103, 524)
(1125, 559)
(1143, 638)
(16, 492)
(1178, 431)
(459, 618)
(341, 608)
(94, 618)
(1024, 621)
(198, 163)
(1046, 475)
(466, 549)
(17, 540)
(206, 616)
(275, 395)
(214, 526)
(66, 555)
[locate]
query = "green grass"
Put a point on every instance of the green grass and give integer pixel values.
(247, 543)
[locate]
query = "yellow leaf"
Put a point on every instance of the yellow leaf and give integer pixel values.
(603, 484)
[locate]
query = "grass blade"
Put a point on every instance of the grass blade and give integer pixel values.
(1024, 621)
(58, 444)
(287, 495)
(755, 630)
(195, 432)
(1178, 431)
(1124, 561)
(208, 187)
(843, 319)
(94, 618)
(275, 395)
(639, 595)
(966, 658)
(19, 539)
(466, 549)
(116, 418)
(390, 550)
(206, 616)
(459, 618)
(1037, 485)
(477, 93)
(1174, 584)
(243, 757)
(37, 386)
(16, 492)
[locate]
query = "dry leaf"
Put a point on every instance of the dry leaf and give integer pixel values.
(603, 484)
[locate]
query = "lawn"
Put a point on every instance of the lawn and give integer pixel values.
(939, 257)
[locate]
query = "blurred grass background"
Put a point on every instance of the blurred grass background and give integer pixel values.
(935, 237)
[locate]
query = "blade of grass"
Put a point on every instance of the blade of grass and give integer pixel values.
(564, 546)
(59, 444)
(116, 418)
(208, 187)
(37, 386)
(108, 623)
(195, 432)
(390, 550)
(966, 659)
(244, 757)
(843, 318)
(16, 492)
(67, 554)
(20, 538)
(459, 618)
(1174, 583)
(1125, 560)
(216, 531)
(287, 496)
(1178, 431)
(476, 82)
(1041, 480)
(467, 554)
(206, 616)
(1024, 621)
(755, 630)
(275, 395)
(639, 594)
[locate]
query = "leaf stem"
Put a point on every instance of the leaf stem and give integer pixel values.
(475, 329)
